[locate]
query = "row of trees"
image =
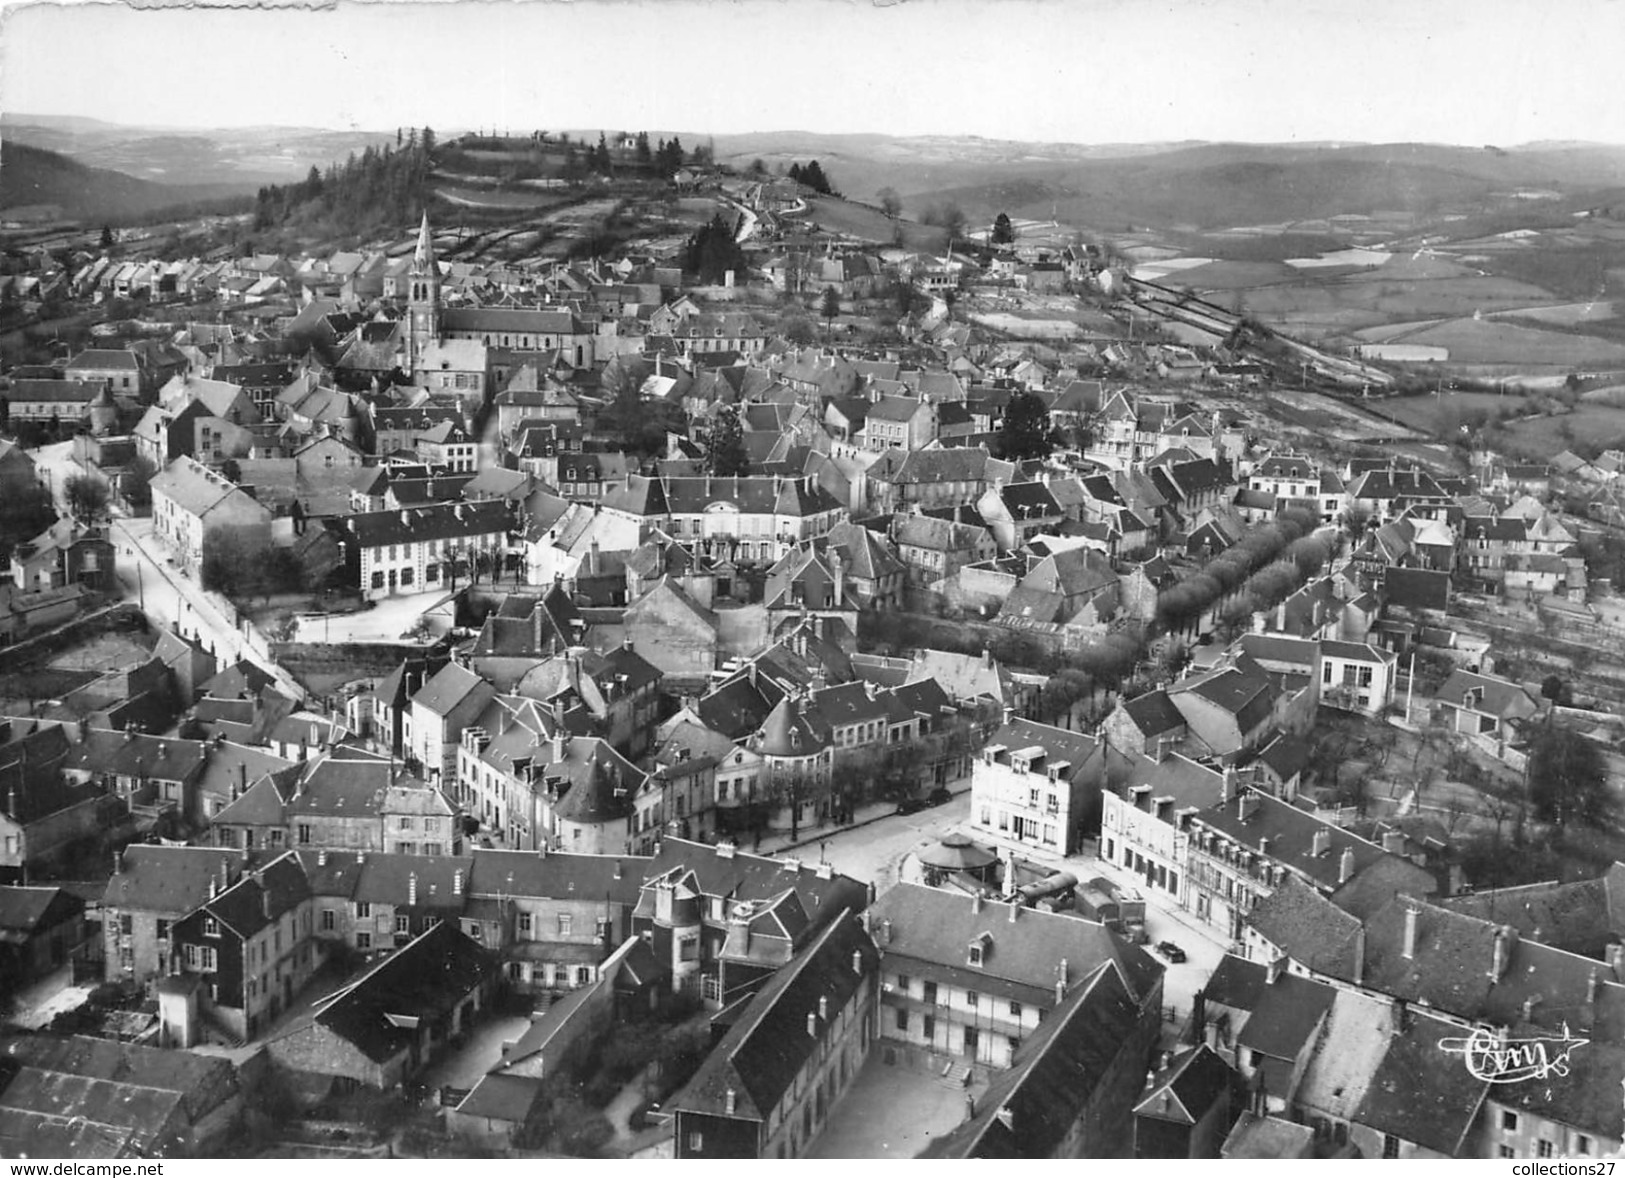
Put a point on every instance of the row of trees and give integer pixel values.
(379, 189)
(1183, 603)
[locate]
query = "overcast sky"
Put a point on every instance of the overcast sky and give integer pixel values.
(1088, 71)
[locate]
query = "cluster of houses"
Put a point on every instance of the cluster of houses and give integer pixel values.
(556, 804)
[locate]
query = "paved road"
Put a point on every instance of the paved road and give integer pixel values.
(877, 851)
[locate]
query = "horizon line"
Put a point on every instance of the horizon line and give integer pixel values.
(1326, 141)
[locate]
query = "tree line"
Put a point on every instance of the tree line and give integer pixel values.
(379, 189)
(1184, 602)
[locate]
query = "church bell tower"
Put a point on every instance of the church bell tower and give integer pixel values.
(423, 303)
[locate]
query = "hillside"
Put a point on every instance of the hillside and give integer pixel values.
(32, 176)
(241, 157)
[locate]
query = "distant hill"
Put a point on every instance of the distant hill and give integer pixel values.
(1201, 185)
(244, 157)
(33, 176)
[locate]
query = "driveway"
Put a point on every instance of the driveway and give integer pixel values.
(481, 1052)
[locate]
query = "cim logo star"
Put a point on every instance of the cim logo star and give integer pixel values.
(1498, 1060)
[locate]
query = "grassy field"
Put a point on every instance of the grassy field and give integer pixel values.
(1542, 437)
(1490, 341)
(1435, 415)
(842, 216)
(1566, 314)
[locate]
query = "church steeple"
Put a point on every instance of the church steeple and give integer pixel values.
(423, 305)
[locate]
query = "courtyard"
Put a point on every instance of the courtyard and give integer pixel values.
(891, 1111)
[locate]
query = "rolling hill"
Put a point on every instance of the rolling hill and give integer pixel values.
(33, 176)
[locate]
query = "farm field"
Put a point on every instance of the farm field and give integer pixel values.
(857, 220)
(1542, 437)
(1486, 341)
(1433, 415)
(480, 198)
(1565, 313)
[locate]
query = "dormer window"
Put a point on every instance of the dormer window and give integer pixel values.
(977, 951)
(211, 927)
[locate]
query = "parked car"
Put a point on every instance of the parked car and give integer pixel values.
(940, 795)
(912, 805)
(1171, 951)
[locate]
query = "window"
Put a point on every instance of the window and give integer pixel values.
(363, 941)
(976, 953)
(126, 924)
(403, 924)
(902, 1019)
(189, 956)
(931, 993)
(363, 910)
(304, 833)
(431, 826)
(902, 982)
(1582, 1143)
(329, 920)
(583, 975)
(1508, 1152)
(524, 922)
(1015, 1010)
(1509, 1122)
(565, 923)
(972, 998)
(928, 1028)
(211, 927)
(211, 961)
(1390, 1145)
(696, 1141)
(406, 575)
(378, 579)
(1544, 1148)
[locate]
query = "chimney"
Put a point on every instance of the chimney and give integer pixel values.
(1321, 843)
(857, 963)
(729, 1100)
(823, 1008)
(1150, 1079)
(457, 880)
(885, 932)
(1591, 987)
(987, 657)
(412, 890)
(265, 900)
(225, 874)
(1227, 784)
(1163, 742)
(1616, 960)
(812, 1025)
(1015, 911)
(321, 857)
(1504, 937)
(118, 862)
(558, 747)
(1273, 970)
(1345, 865)
(1529, 1006)
(1244, 806)
(1412, 912)
(976, 901)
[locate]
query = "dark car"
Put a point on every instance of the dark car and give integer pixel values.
(1171, 951)
(939, 795)
(912, 805)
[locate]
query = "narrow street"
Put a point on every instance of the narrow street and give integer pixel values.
(165, 594)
